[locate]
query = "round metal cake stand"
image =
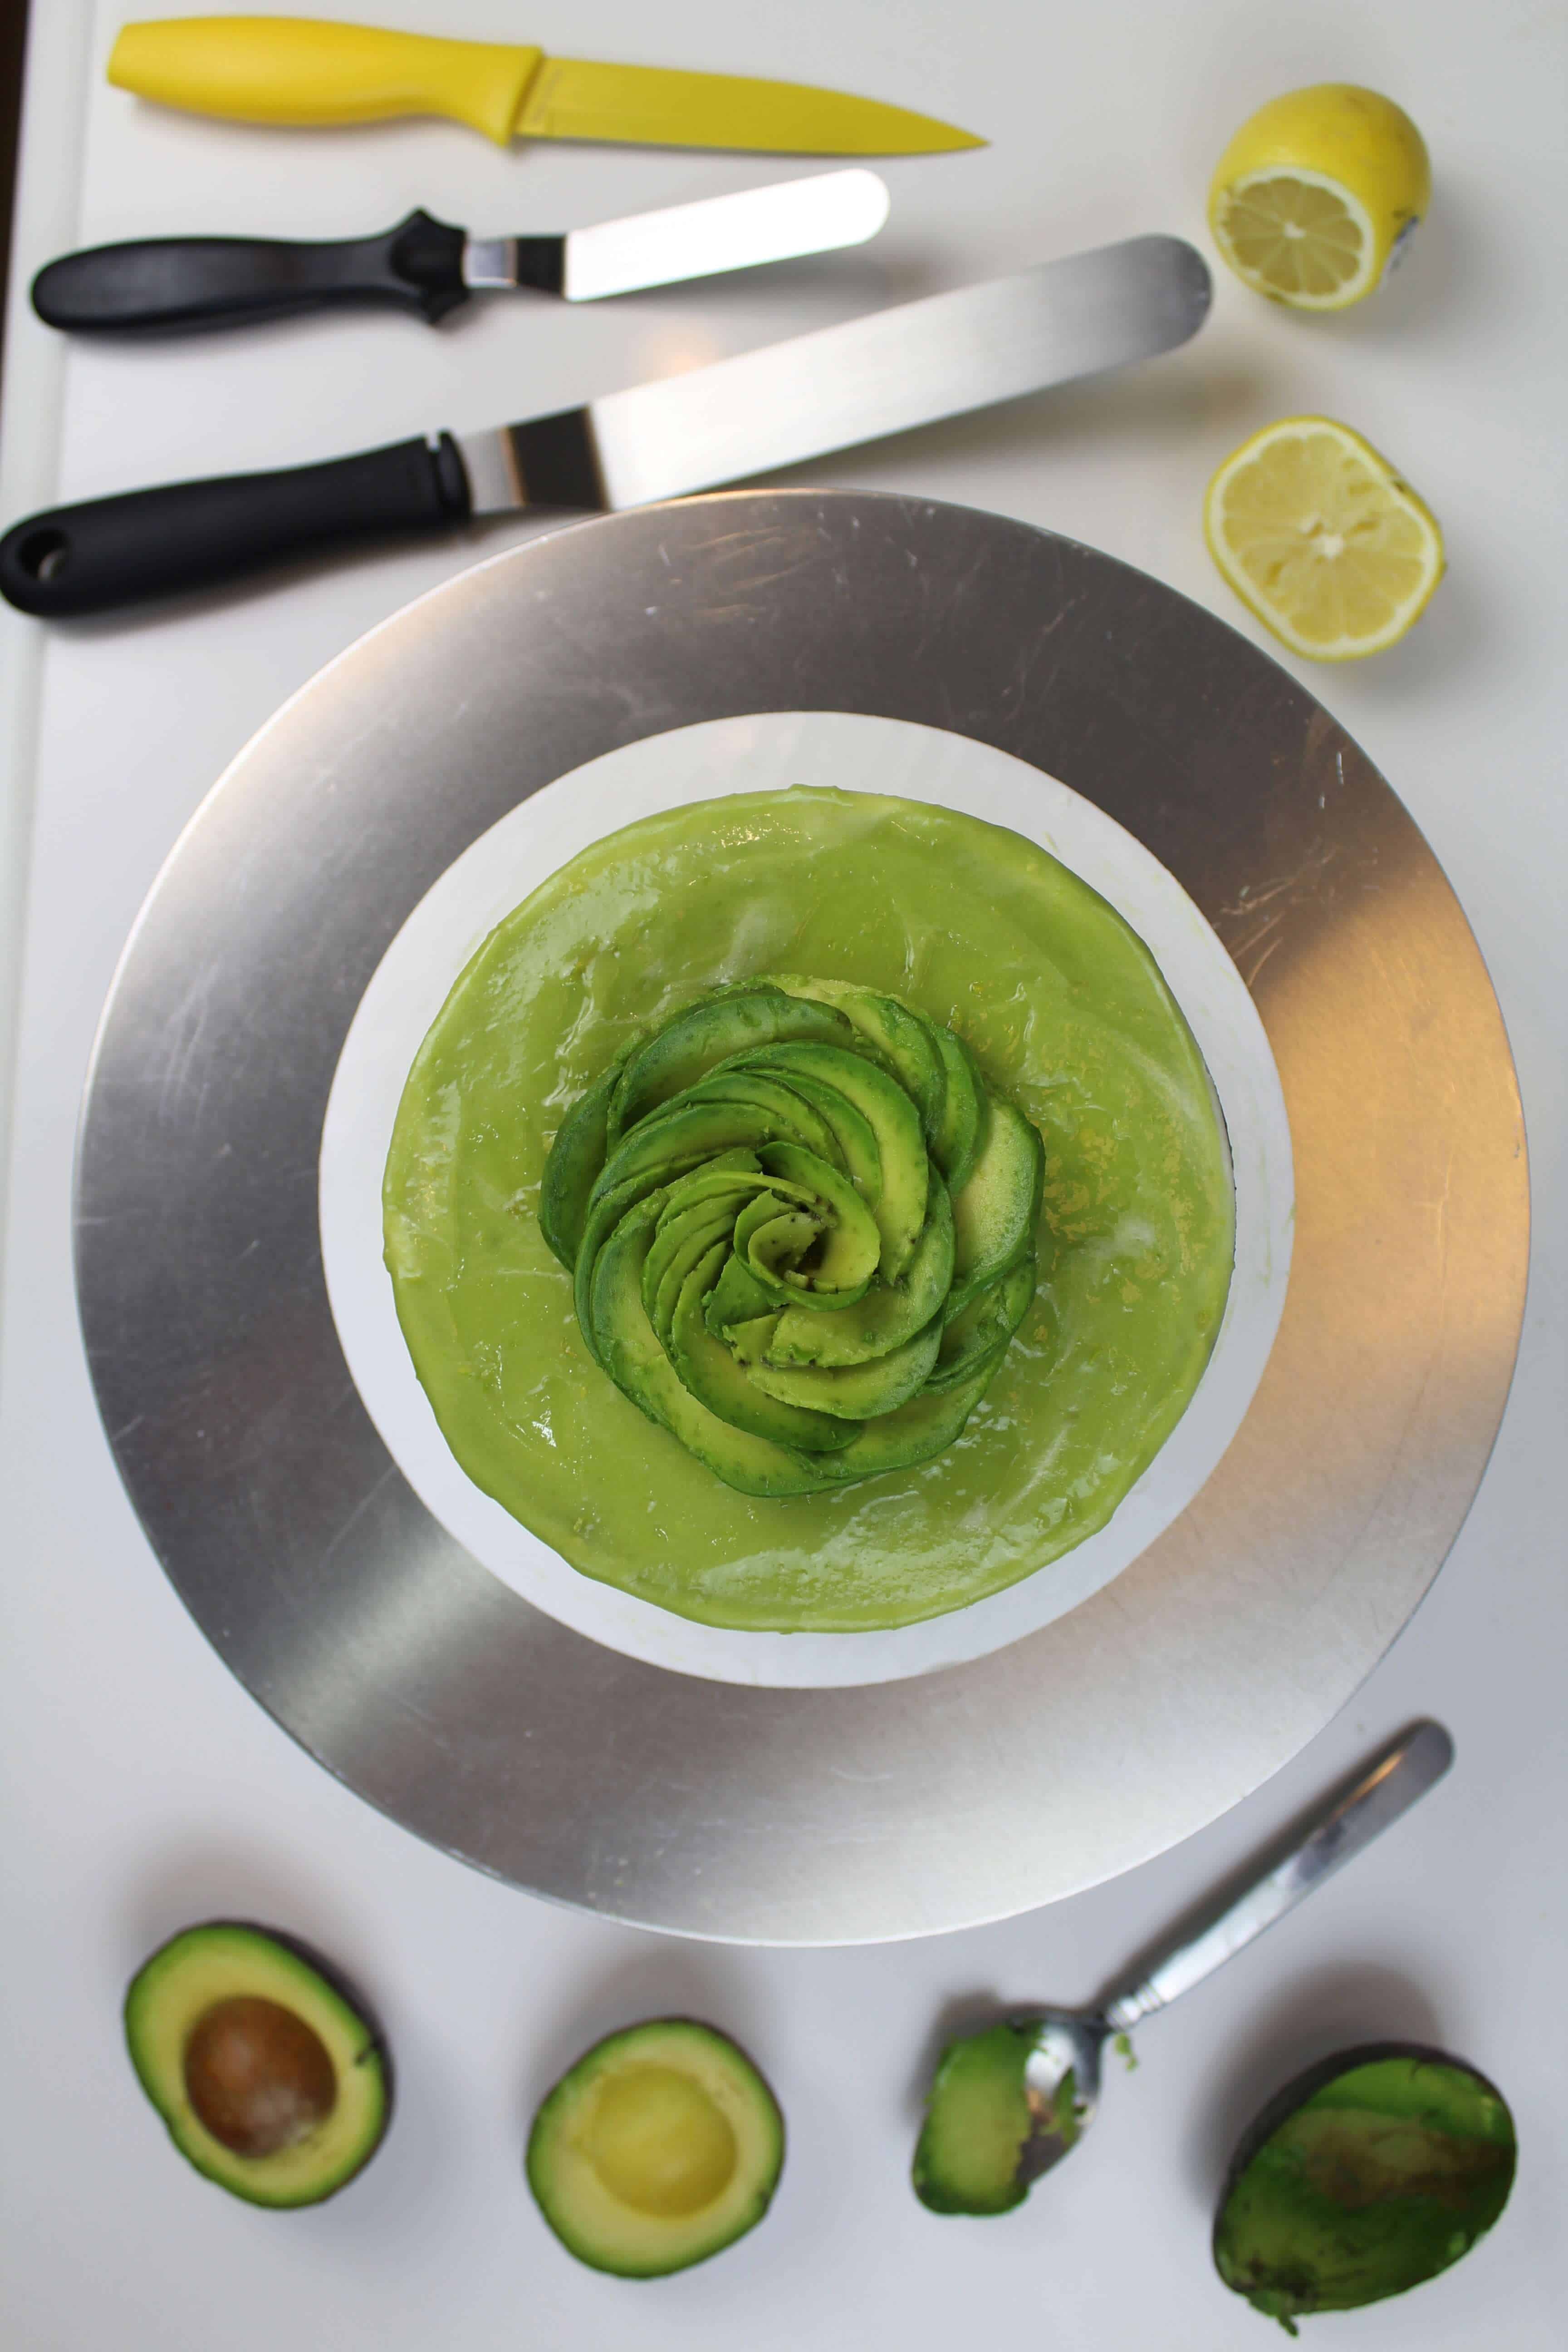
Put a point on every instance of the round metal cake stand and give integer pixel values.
(773, 1815)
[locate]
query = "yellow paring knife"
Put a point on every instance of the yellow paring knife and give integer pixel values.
(300, 70)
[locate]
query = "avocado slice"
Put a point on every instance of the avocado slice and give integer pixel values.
(903, 1170)
(981, 1332)
(576, 1157)
(855, 1138)
(845, 1258)
(795, 1120)
(712, 1375)
(737, 1300)
(658, 2148)
(995, 1215)
(889, 1314)
(688, 1047)
(272, 2080)
(977, 2119)
(856, 1391)
(1368, 2173)
(914, 1431)
(630, 1351)
(903, 1038)
(966, 1110)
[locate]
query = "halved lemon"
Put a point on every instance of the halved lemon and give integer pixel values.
(1319, 535)
(1317, 194)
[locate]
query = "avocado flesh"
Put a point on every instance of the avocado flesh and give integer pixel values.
(706, 1034)
(966, 1114)
(856, 1391)
(981, 1331)
(269, 2080)
(889, 1314)
(793, 1118)
(977, 2119)
(903, 1171)
(995, 1215)
(576, 1158)
(1366, 2176)
(630, 1351)
(710, 1373)
(916, 1431)
(850, 1249)
(658, 2148)
(1063, 1010)
(892, 1030)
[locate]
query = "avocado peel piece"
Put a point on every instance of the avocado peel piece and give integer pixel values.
(268, 2070)
(768, 1254)
(661, 2147)
(1367, 2175)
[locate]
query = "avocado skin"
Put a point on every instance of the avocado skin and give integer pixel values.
(1295, 2236)
(372, 2052)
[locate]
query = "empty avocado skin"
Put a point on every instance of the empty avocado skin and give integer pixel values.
(188, 1981)
(661, 2147)
(1366, 2176)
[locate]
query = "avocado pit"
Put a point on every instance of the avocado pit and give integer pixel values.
(258, 2077)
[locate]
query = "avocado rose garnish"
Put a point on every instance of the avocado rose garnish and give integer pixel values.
(801, 1231)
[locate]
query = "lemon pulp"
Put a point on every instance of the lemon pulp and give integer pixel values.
(1318, 534)
(1296, 234)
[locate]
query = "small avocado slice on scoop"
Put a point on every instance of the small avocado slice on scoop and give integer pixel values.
(977, 2120)
(1366, 2176)
(271, 2079)
(661, 2147)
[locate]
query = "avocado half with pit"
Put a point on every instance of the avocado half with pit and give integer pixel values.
(272, 2080)
(661, 2147)
(1367, 2175)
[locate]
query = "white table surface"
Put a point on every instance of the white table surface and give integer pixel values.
(144, 1790)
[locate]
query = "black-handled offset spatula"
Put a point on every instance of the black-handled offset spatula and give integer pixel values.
(745, 416)
(428, 267)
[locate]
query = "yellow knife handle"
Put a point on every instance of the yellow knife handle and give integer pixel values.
(296, 70)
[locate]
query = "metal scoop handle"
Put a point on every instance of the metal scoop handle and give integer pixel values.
(1332, 1835)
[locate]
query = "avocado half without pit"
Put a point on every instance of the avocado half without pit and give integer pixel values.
(661, 2147)
(1362, 2179)
(270, 2078)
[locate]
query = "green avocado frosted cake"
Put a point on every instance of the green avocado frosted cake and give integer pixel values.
(808, 1212)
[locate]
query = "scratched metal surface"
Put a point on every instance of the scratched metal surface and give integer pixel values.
(771, 1815)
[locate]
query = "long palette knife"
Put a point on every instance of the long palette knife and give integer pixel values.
(768, 408)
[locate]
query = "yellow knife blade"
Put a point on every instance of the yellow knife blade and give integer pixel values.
(297, 70)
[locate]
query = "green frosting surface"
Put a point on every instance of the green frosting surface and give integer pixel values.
(1063, 1011)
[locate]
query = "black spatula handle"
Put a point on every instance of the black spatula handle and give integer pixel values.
(223, 281)
(118, 550)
